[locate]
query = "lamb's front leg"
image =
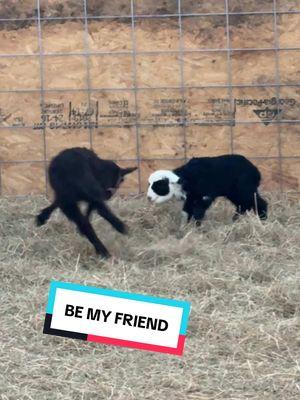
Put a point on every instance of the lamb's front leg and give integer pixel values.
(199, 208)
(187, 211)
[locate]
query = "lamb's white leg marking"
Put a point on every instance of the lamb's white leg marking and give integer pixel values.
(184, 217)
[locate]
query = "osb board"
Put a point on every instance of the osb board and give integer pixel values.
(250, 5)
(246, 31)
(69, 36)
(65, 72)
(19, 109)
(147, 67)
(161, 142)
(207, 140)
(288, 27)
(289, 62)
(290, 140)
(211, 105)
(160, 105)
(21, 145)
(23, 179)
(256, 140)
(270, 171)
(20, 73)
(205, 68)
(74, 8)
(204, 32)
(113, 107)
(111, 71)
(250, 68)
(15, 39)
(100, 35)
(60, 139)
(291, 175)
(104, 142)
(66, 115)
(166, 35)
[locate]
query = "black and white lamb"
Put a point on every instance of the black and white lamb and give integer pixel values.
(202, 180)
(79, 175)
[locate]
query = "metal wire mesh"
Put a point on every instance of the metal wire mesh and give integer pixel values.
(138, 122)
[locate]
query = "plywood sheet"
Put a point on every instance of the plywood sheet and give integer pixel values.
(115, 143)
(21, 145)
(209, 141)
(256, 140)
(291, 175)
(204, 32)
(23, 179)
(19, 109)
(54, 8)
(65, 72)
(256, 104)
(288, 5)
(156, 7)
(288, 28)
(20, 73)
(250, 5)
(60, 139)
(289, 70)
(103, 7)
(17, 39)
(253, 67)
(159, 106)
(113, 107)
(109, 71)
(290, 102)
(166, 36)
(147, 67)
(63, 36)
(66, 110)
(202, 69)
(100, 36)
(251, 31)
(270, 172)
(204, 6)
(161, 142)
(210, 105)
(18, 9)
(290, 140)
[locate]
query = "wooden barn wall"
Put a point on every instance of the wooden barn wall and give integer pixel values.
(152, 87)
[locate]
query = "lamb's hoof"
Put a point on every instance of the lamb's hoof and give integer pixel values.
(103, 254)
(235, 217)
(39, 220)
(122, 228)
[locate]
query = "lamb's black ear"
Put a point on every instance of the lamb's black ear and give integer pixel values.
(125, 171)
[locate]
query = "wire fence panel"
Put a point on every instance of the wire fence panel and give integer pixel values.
(151, 84)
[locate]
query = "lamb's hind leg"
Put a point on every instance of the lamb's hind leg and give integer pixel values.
(248, 201)
(106, 213)
(44, 215)
(73, 213)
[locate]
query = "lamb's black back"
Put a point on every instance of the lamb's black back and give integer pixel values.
(218, 176)
(75, 173)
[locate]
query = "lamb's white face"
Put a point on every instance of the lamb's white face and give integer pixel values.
(163, 185)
